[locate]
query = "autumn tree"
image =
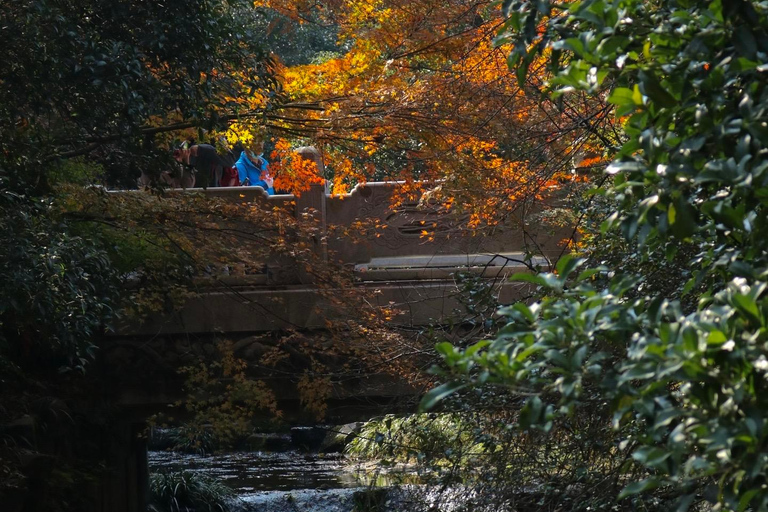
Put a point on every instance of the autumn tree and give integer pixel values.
(410, 94)
(428, 98)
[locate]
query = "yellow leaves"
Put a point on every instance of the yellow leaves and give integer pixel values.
(345, 173)
(314, 392)
(334, 77)
(222, 398)
(241, 132)
(362, 11)
(370, 148)
(484, 64)
(442, 99)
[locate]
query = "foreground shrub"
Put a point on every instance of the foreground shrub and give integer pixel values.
(414, 437)
(678, 364)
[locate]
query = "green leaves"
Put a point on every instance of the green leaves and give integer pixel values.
(96, 73)
(650, 86)
(434, 396)
(651, 456)
(627, 100)
(677, 353)
(682, 218)
(535, 414)
(637, 487)
(554, 282)
(57, 289)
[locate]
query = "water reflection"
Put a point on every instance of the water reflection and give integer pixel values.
(249, 472)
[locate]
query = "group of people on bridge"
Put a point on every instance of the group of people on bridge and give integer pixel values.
(235, 167)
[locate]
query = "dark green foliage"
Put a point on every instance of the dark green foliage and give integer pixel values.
(87, 77)
(188, 492)
(85, 88)
(411, 438)
(299, 43)
(57, 290)
(58, 294)
(679, 361)
(75, 171)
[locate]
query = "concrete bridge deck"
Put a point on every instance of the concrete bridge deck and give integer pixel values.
(423, 295)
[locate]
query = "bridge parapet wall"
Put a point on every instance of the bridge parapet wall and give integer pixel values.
(410, 228)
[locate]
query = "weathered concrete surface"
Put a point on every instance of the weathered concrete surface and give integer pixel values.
(402, 267)
(420, 302)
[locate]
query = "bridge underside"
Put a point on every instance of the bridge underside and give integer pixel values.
(305, 328)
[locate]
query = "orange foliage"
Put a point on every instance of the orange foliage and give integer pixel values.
(422, 94)
(423, 81)
(293, 174)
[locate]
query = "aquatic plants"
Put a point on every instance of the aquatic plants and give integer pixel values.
(186, 491)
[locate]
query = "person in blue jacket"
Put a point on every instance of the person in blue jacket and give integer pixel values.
(253, 169)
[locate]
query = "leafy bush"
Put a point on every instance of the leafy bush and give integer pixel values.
(682, 381)
(413, 437)
(57, 289)
(76, 171)
(188, 492)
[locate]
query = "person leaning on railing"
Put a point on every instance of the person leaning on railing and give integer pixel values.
(253, 169)
(204, 159)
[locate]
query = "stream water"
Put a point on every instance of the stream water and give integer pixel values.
(293, 481)
(251, 472)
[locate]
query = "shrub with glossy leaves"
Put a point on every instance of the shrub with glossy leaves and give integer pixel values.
(57, 289)
(686, 386)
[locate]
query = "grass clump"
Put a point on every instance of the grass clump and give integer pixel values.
(188, 492)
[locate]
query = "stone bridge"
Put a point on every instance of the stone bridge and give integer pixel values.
(410, 265)
(412, 262)
(416, 264)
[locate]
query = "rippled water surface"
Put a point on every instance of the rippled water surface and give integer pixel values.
(249, 472)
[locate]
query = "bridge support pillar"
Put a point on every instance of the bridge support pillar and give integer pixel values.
(125, 487)
(315, 199)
